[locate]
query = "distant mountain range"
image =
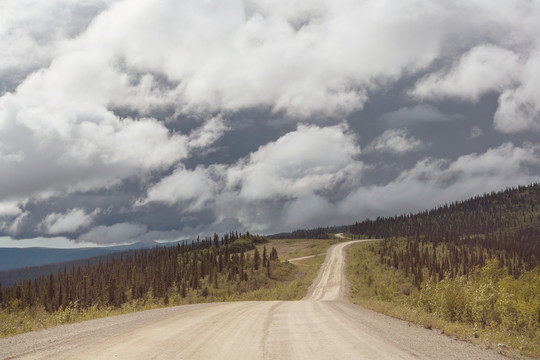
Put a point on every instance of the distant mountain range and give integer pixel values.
(28, 263)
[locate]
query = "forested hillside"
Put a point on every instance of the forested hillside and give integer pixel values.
(202, 267)
(504, 225)
(475, 262)
(503, 211)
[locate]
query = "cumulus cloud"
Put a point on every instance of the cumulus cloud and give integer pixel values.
(275, 54)
(302, 168)
(71, 147)
(483, 69)
(9, 208)
(207, 134)
(432, 182)
(260, 53)
(513, 73)
(395, 141)
(107, 96)
(301, 162)
(519, 108)
(196, 186)
(32, 33)
(121, 233)
(69, 222)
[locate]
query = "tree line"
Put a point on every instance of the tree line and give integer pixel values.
(450, 257)
(476, 262)
(454, 240)
(318, 233)
(503, 211)
(147, 273)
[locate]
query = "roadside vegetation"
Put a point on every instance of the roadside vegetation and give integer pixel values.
(294, 248)
(235, 267)
(487, 306)
(470, 269)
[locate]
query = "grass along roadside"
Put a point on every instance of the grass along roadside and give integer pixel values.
(287, 281)
(382, 288)
(295, 248)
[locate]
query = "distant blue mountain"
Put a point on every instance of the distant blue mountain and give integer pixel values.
(18, 264)
(17, 258)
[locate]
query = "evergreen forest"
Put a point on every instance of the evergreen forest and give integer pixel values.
(474, 263)
(455, 239)
(200, 267)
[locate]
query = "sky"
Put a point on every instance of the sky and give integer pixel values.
(134, 120)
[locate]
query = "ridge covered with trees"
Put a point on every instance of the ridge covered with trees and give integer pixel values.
(475, 263)
(498, 211)
(454, 239)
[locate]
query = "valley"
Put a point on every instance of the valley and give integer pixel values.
(323, 325)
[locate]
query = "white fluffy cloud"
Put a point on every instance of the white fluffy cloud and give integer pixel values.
(69, 222)
(260, 53)
(519, 107)
(395, 141)
(306, 166)
(483, 69)
(92, 94)
(69, 148)
(57, 136)
(9, 208)
(195, 186)
(514, 74)
(289, 206)
(432, 182)
(32, 32)
(207, 134)
(316, 59)
(121, 233)
(301, 162)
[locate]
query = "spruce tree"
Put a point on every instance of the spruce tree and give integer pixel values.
(273, 254)
(256, 260)
(264, 259)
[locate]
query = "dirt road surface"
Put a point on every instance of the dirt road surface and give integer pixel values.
(324, 325)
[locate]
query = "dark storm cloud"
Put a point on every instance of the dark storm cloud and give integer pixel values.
(124, 121)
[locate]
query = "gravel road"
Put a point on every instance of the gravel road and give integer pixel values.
(324, 325)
